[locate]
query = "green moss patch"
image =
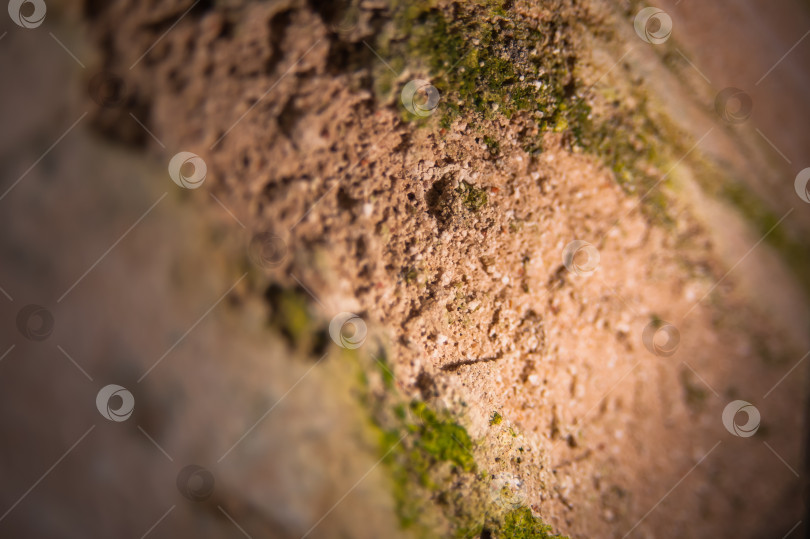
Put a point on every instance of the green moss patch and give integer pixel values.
(290, 313)
(472, 197)
(488, 62)
(484, 61)
(438, 488)
(521, 524)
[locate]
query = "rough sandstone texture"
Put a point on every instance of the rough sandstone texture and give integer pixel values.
(471, 298)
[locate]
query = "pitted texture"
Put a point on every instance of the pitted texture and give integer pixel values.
(452, 251)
